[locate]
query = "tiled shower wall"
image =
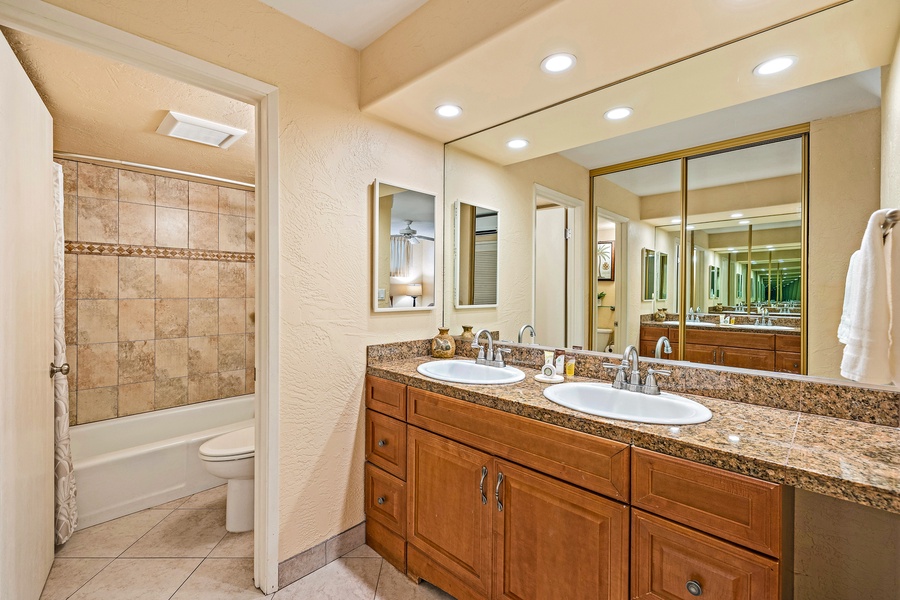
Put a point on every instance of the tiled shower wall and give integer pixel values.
(159, 291)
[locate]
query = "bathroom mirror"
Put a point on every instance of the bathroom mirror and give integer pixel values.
(475, 255)
(403, 249)
(648, 275)
(714, 282)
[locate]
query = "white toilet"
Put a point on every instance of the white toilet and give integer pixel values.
(230, 456)
(602, 339)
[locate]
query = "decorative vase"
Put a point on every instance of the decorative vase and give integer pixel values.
(443, 345)
(467, 335)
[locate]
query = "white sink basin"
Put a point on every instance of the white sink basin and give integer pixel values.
(602, 400)
(690, 323)
(466, 371)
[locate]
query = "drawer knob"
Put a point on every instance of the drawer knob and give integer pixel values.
(694, 588)
(380, 500)
(382, 443)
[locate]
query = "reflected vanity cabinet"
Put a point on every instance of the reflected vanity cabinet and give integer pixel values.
(486, 504)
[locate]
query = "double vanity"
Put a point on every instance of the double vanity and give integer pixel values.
(494, 491)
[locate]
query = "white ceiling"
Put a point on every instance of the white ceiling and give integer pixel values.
(356, 23)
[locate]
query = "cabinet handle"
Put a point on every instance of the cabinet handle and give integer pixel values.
(497, 492)
(716, 351)
(722, 356)
(694, 588)
(382, 443)
(380, 500)
(481, 485)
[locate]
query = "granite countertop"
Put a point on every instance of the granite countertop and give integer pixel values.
(845, 459)
(717, 327)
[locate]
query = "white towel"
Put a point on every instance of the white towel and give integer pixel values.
(866, 324)
(892, 263)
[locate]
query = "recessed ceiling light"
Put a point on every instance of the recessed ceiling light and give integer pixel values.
(689, 227)
(517, 144)
(775, 65)
(448, 111)
(737, 215)
(734, 251)
(780, 260)
(752, 262)
(557, 63)
(744, 222)
(769, 247)
(676, 221)
(731, 249)
(614, 114)
(195, 129)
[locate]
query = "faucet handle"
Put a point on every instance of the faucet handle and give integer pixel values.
(650, 385)
(498, 356)
(619, 381)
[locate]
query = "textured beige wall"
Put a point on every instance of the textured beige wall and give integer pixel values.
(844, 183)
(329, 155)
(844, 551)
(890, 132)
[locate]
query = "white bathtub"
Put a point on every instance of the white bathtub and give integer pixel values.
(132, 463)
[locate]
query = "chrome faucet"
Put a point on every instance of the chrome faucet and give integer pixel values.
(662, 345)
(630, 360)
(634, 381)
(765, 320)
(490, 358)
(522, 333)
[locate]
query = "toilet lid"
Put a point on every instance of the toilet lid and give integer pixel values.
(234, 443)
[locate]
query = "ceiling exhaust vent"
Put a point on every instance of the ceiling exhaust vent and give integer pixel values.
(198, 130)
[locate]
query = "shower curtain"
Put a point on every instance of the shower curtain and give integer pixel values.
(66, 511)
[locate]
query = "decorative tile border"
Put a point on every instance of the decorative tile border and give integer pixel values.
(156, 252)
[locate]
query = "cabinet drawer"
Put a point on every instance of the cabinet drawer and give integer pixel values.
(747, 358)
(732, 338)
(584, 460)
(787, 362)
(386, 443)
(665, 557)
(652, 332)
(735, 507)
(388, 544)
(388, 397)
(385, 499)
(787, 343)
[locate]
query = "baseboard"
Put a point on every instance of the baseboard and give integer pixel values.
(302, 564)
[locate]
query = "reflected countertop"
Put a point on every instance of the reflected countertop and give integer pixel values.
(845, 459)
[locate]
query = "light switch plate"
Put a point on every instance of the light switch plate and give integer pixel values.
(381, 293)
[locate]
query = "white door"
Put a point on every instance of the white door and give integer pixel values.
(26, 334)
(550, 277)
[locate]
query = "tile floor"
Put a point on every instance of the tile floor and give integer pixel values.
(181, 551)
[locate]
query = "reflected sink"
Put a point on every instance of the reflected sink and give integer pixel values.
(466, 371)
(766, 327)
(691, 323)
(602, 400)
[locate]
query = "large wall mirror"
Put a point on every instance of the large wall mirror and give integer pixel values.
(475, 255)
(403, 234)
(733, 215)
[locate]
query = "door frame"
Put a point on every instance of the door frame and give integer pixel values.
(575, 263)
(620, 328)
(37, 18)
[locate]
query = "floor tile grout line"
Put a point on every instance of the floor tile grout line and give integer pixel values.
(171, 512)
(202, 560)
(89, 579)
(378, 581)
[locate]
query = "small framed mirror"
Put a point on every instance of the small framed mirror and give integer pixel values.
(714, 282)
(648, 272)
(403, 248)
(662, 276)
(475, 256)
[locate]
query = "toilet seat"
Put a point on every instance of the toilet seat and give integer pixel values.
(234, 445)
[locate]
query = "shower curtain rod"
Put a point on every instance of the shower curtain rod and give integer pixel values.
(125, 163)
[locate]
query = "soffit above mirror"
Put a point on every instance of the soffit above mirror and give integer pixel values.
(854, 39)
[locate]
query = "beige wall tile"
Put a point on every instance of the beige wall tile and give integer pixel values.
(98, 365)
(137, 277)
(72, 359)
(203, 355)
(203, 317)
(171, 318)
(137, 187)
(136, 361)
(251, 204)
(136, 398)
(98, 321)
(251, 235)
(98, 277)
(95, 181)
(203, 197)
(97, 404)
(232, 279)
(203, 387)
(73, 407)
(171, 227)
(171, 358)
(232, 316)
(203, 279)
(137, 224)
(70, 217)
(251, 315)
(249, 383)
(171, 192)
(171, 392)
(232, 233)
(231, 352)
(251, 280)
(204, 230)
(231, 383)
(251, 351)
(71, 322)
(171, 278)
(70, 176)
(98, 220)
(136, 319)
(70, 265)
(232, 201)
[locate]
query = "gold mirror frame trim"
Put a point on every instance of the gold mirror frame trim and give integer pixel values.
(773, 135)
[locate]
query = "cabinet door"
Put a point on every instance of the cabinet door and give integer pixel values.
(448, 517)
(747, 358)
(553, 541)
(701, 353)
(787, 362)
